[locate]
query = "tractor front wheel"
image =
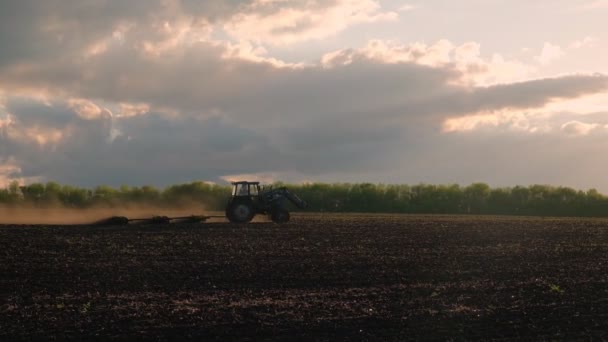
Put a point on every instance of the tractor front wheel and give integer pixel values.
(240, 212)
(279, 215)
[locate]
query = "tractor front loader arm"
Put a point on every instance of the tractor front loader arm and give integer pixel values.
(297, 201)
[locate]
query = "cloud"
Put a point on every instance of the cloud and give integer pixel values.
(149, 93)
(597, 4)
(588, 41)
(274, 121)
(503, 158)
(87, 109)
(55, 28)
(549, 54)
(282, 23)
(407, 8)
(541, 121)
(39, 30)
(579, 128)
(465, 58)
(148, 148)
(130, 109)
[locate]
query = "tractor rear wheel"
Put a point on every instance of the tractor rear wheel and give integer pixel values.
(279, 215)
(240, 212)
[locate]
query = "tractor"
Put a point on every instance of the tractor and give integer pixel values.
(249, 199)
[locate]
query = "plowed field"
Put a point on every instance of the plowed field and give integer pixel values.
(322, 277)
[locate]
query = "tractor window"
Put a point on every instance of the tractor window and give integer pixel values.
(253, 189)
(240, 190)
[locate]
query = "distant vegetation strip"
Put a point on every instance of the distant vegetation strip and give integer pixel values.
(478, 198)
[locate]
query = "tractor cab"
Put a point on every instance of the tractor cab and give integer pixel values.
(245, 189)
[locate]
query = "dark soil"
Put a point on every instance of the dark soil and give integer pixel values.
(322, 277)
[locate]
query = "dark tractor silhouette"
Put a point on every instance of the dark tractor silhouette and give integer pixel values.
(249, 199)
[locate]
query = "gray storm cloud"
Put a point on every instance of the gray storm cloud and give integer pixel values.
(211, 112)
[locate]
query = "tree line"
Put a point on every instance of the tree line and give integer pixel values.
(52, 194)
(478, 198)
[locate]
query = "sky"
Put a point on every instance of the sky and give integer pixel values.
(158, 92)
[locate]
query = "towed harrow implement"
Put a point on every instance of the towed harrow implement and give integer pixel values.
(123, 220)
(248, 200)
